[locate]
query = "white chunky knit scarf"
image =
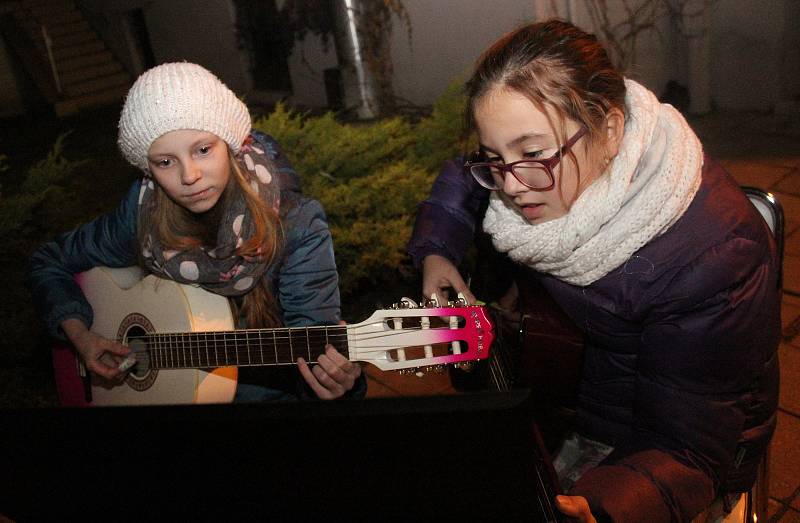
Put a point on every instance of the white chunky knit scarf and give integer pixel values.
(644, 190)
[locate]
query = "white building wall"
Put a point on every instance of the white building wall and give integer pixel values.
(746, 53)
(447, 37)
(742, 64)
(307, 64)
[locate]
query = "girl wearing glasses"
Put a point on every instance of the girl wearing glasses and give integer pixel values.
(604, 197)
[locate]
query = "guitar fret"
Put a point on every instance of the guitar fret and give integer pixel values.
(275, 346)
(152, 350)
(182, 350)
(216, 352)
(191, 349)
(261, 346)
(308, 345)
(247, 343)
(291, 349)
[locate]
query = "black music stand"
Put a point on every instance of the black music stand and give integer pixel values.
(474, 456)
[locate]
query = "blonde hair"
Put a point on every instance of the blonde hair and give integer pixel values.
(178, 228)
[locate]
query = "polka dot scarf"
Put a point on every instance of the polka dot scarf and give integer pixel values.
(219, 270)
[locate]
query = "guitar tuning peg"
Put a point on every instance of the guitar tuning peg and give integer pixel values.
(408, 303)
(466, 366)
(433, 301)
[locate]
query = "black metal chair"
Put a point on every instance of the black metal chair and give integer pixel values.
(752, 506)
(772, 212)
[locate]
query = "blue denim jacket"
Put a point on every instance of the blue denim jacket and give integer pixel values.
(304, 280)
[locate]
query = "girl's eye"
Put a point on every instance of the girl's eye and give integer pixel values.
(533, 154)
(164, 163)
(205, 149)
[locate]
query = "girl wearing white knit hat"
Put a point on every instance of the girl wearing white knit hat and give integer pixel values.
(602, 198)
(218, 207)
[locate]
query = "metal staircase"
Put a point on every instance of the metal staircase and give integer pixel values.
(67, 60)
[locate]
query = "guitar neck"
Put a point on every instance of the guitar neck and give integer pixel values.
(242, 348)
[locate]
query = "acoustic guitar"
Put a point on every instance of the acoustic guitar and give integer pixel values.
(185, 348)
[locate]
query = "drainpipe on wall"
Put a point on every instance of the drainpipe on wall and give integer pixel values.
(358, 82)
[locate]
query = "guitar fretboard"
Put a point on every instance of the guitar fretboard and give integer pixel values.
(251, 347)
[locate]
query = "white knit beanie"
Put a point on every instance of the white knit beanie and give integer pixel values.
(176, 96)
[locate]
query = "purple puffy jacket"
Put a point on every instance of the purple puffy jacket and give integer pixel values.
(681, 368)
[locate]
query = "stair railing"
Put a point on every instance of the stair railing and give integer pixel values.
(48, 44)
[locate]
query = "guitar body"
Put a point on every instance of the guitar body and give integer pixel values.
(125, 304)
(550, 358)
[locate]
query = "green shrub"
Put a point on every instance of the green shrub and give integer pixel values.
(370, 177)
(323, 146)
(441, 136)
(371, 219)
(19, 211)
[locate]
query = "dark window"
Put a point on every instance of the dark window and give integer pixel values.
(261, 33)
(141, 37)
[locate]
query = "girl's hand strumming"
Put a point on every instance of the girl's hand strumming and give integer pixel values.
(100, 355)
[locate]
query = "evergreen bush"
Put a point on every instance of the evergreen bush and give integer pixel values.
(370, 177)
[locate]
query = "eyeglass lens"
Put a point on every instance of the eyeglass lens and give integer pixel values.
(532, 174)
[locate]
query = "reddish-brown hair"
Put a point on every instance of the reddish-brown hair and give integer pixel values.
(178, 228)
(554, 64)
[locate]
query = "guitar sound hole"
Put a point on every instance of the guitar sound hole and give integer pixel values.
(136, 337)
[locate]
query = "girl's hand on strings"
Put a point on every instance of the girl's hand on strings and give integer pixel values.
(439, 274)
(333, 375)
(100, 355)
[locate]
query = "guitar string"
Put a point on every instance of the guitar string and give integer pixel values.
(176, 344)
(280, 334)
(500, 369)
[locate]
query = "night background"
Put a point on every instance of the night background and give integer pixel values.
(367, 104)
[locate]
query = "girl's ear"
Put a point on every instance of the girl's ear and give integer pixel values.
(615, 128)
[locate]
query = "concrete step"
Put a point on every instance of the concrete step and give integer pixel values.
(97, 99)
(73, 51)
(57, 19)
(49, 9)
(71, 39)
(46, 3)
(89, 72)
(94, 85)
(68, 28)
(77, 62)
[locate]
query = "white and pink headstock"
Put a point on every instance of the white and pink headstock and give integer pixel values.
(412, 337)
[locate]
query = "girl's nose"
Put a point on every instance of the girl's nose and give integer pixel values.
(191, 173)
(512, 186)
